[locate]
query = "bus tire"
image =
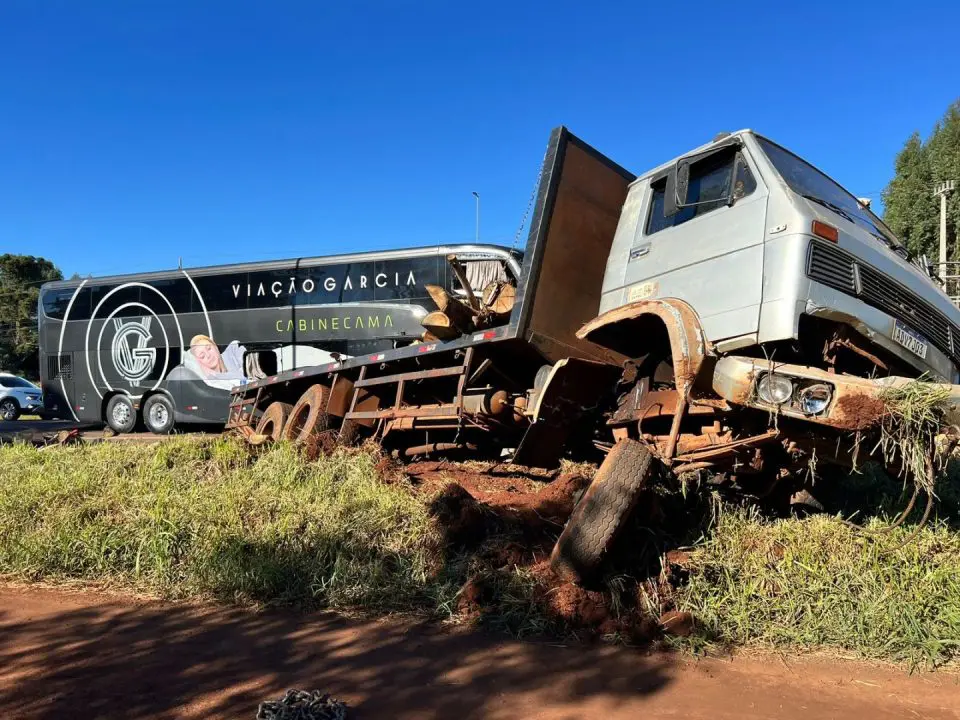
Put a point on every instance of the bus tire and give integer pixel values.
(274, 420)
(121, 417)
(601, 512)
(158, 414)
(309, 416)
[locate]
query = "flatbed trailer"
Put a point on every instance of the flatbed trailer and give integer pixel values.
(519, 387)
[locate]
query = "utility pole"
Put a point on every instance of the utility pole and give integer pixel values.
(477, 196)
(943, 190)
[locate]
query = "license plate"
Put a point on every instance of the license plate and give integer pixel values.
(909, 339)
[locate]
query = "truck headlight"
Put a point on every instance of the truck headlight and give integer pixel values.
(775, 389)
(814, 399)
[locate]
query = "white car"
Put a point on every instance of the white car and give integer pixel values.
(18, 396)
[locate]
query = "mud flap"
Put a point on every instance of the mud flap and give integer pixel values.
(574, 390)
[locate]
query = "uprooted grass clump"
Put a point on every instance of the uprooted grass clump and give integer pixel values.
(910, 428)
(211, 519)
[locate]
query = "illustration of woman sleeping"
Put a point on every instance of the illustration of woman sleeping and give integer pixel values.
(219, 370)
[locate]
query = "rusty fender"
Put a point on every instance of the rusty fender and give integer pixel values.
(855, 402)
(687, 343)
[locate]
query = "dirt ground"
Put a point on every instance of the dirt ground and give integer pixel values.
(90, 655)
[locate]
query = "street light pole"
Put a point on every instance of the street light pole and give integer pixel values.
(476, 195)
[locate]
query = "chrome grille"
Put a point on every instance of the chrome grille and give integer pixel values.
(838, 269)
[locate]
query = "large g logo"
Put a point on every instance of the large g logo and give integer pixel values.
(131, 356)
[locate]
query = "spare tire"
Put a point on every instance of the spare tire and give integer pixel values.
(602, 511)
(309, 416)
(274, 420)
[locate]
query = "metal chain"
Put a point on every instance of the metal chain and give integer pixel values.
(533, 197)
(302, 705)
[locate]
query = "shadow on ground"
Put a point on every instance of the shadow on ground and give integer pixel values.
(115, 660)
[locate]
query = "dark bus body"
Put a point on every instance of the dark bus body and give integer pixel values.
(192, 334)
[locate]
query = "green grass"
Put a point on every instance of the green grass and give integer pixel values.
(816, 583)
(211, 518)
(187, 519)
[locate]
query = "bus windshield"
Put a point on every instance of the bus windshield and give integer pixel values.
(810, 183)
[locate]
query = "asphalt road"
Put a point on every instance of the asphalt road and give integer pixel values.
(89, 431)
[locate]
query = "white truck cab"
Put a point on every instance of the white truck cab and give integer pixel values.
(771, 252)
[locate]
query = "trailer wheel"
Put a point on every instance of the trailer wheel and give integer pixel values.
(309, 416)
(599, 516)
(274, 420)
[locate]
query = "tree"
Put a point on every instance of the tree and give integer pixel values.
(20, 279)
(910, 207)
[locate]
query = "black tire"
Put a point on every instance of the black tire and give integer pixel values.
(602, 512)
(158, 415)
(121, 416)
(9, 409)
(274, 419)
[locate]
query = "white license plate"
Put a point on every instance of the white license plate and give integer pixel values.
(909, 339)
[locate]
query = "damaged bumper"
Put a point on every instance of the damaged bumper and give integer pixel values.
(840, 401)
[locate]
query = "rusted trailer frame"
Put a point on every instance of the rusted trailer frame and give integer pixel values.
(519, 386)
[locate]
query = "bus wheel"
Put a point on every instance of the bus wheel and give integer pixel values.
(274, 419)
(121, 417)
(309, 416)
(158, 414)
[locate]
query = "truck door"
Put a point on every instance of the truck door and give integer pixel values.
(710, 253)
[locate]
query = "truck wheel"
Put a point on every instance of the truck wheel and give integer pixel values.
(274, 419)
(9, 409)
(158, 414)
(602, 511)
(121, 417)
(309, 416)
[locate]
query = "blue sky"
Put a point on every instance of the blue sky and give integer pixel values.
(135, 133)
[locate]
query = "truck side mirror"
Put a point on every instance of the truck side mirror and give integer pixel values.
(678, 180)
(670, 205)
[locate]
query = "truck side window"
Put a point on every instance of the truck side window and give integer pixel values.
(709, 184)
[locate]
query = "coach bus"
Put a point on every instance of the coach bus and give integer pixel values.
(165, 348)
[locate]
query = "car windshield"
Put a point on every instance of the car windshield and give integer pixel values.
(15, 382)
(810, 183)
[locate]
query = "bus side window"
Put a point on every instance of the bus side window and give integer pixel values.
(222, 292)
(177, 292)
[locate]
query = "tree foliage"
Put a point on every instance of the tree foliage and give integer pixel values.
(910, 207)
(20, 279)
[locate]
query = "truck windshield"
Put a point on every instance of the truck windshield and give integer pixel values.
(810, 183)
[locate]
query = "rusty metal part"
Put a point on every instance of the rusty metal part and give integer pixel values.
(251, 435)
(431, 448)
(490, 402)
(574, 389)
(664, 403)
(409, 376)
(688, 345)
(675, 428)
(843, 339)
(719, 451)
(692, 467)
